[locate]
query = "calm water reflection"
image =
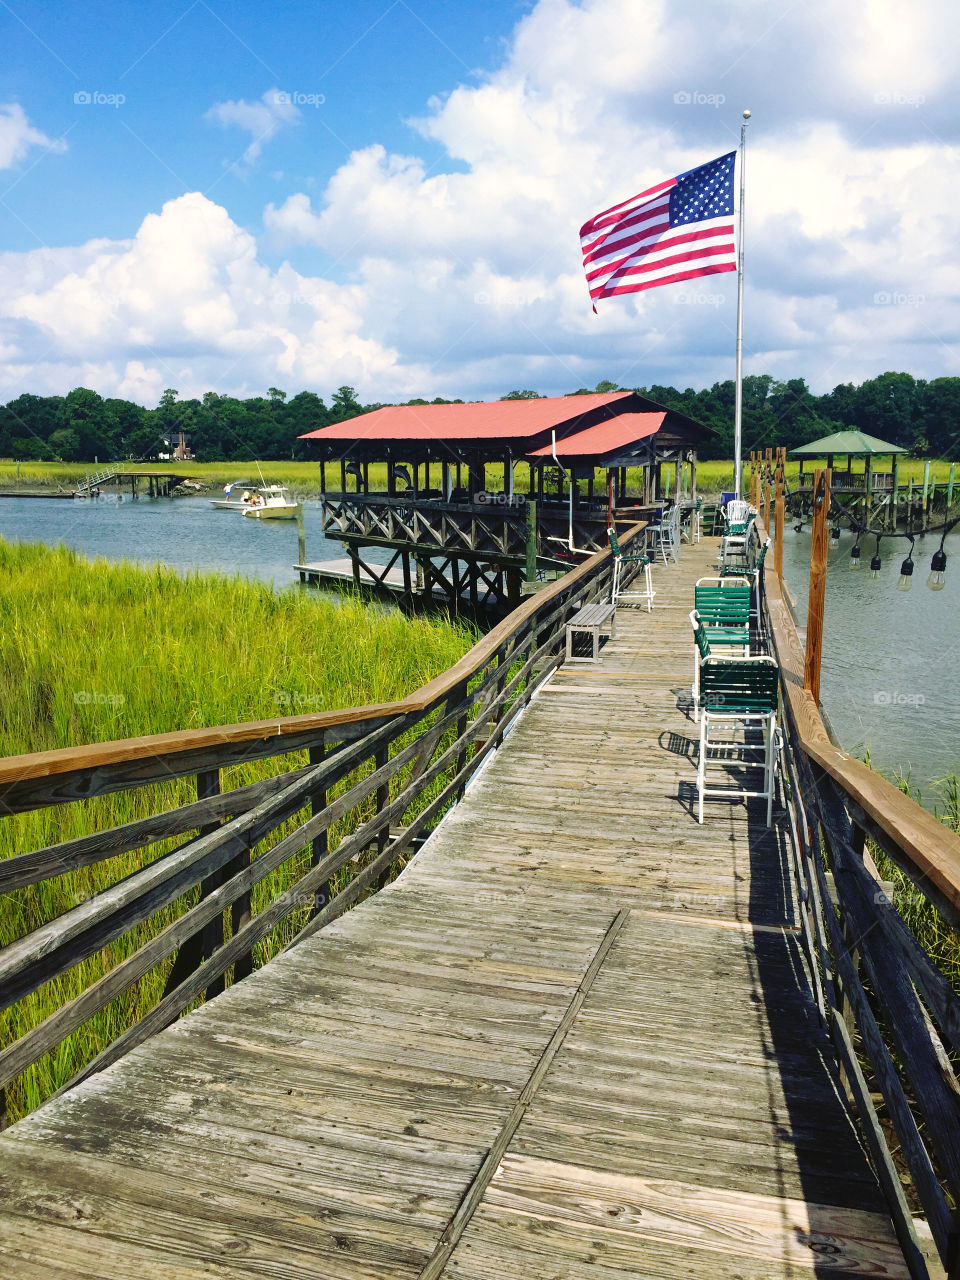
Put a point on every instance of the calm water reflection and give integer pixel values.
(891, 666)
(185, 533)
(891, 671)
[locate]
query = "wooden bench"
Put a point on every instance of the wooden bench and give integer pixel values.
(590, 619)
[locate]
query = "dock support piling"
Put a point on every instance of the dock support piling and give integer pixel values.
(301, 537)
(531, 548)
(779, 515)
(818, 583)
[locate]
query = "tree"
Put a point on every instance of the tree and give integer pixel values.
(65, 444)
(345, 404)
(522, 395)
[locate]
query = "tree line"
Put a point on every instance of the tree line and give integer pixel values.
(919, 415)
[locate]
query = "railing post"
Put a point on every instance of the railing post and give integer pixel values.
(383, 799)
(320, 845)
(768, 459)
(818, 583)
(195, 950)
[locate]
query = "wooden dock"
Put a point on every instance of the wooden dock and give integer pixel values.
(576, 1038)
(339, 572)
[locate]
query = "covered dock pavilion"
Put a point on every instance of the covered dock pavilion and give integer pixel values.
(481, 496)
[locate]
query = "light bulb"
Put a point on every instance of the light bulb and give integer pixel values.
(906, 575)
(875, 566)
(855, 556)
(937, 567)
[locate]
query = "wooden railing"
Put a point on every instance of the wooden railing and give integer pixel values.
(383, 774)
(498, 528)
(892, 1013)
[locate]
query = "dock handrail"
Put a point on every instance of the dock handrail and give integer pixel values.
(872, 975)
(377, 779)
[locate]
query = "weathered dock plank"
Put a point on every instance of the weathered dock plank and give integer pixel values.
(468, 1076)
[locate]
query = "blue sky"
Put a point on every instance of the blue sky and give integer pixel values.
(372, 64)
(387, 194)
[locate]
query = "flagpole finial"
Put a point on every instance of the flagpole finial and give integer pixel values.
(746, 113)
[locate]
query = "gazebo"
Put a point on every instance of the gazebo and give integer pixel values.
(863, 487)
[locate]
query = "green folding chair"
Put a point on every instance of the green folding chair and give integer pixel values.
(738, 693)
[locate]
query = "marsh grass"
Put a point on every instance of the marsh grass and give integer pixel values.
(92, 651)
(936, 936)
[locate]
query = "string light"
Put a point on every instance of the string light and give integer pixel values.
(876, 564)
(937, 566)
(938, 563)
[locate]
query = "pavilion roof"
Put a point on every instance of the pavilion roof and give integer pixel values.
(857, 443)
(601, 423)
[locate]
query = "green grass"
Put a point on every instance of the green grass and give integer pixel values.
(937, 937)
(93, 651)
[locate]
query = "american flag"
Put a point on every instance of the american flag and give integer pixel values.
(679, 229)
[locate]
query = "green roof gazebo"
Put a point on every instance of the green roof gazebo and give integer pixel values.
(863, 486)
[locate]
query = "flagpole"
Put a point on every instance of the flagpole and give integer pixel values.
(738, 393)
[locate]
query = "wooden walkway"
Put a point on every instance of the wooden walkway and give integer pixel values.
(575, 1039)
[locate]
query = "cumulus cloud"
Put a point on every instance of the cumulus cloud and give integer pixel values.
(262, 119)
(18, 135)
(464, 277)
(185, 303)
(851, 165)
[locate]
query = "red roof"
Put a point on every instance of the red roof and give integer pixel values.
(606, 437)
(497, 420)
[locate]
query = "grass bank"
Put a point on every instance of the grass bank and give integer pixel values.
(91, 651)
(938, 938)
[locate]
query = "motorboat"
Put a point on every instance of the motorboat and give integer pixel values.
(271, 502)
(236, 497)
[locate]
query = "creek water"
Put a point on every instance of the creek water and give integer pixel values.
(891, 666)
(890, 678)
(184, 533)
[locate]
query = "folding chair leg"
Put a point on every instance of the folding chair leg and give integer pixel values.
(702, 769)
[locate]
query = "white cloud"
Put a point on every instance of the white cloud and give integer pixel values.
(184, 303)
(262, 120)
(465, 278)
(17, 136)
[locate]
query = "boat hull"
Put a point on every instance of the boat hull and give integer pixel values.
(271, 513)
